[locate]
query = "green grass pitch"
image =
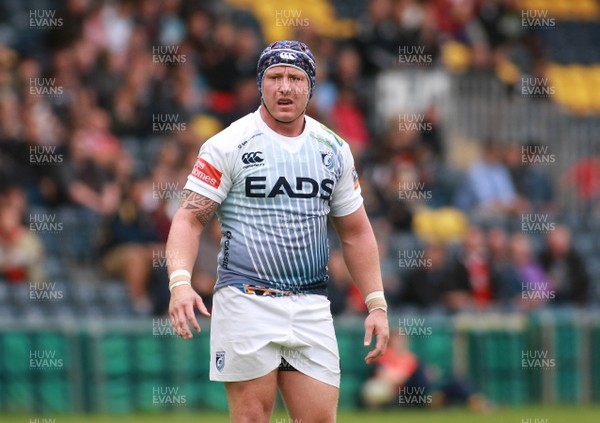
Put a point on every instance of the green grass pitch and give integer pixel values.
(532, 414)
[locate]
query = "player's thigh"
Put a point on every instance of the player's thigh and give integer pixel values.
(252, 401)
(307, 399)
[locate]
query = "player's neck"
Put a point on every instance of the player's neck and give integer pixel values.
(287, 129)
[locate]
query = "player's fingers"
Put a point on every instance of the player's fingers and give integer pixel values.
(368, 334)
(189, 314)
(173, 318)
(370, 358)
(182, 327)
(200, 306)
(380, 344)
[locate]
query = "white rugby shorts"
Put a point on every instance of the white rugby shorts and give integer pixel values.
(250, 334)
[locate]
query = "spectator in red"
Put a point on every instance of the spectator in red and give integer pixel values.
(584, 176)
(21, 250)
(347, 117)
(472, 282)
(401, 378)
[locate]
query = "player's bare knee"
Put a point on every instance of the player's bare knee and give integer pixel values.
(253, 412)
(247, 406)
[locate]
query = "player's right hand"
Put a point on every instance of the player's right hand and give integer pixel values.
(181, 310)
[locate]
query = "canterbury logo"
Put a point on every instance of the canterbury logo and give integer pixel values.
(288, 56)
(252, 157)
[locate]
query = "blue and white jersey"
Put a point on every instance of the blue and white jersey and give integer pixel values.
(275, 194)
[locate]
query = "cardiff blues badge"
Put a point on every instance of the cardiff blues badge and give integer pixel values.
(327, 158)
(220, 360)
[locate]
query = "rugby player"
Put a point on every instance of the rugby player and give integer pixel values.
(273, 178)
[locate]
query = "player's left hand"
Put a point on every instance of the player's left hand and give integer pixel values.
(376, 324)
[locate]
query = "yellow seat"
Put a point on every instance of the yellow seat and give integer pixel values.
(319, 15)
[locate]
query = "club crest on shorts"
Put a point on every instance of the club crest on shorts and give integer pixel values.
(220, 360)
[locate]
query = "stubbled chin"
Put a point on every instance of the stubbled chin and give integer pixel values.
(285, 117)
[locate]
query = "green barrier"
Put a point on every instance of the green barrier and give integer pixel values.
(595, 365)
(38, 371)
(123, 367)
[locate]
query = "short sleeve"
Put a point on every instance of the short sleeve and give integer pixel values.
(346, 197)
(211, 175)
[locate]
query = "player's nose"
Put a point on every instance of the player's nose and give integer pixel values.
(284, 85)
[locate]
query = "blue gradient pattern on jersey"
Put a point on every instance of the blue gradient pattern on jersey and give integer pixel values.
(280, 239)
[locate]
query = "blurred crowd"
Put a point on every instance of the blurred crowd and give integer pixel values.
(105, 115)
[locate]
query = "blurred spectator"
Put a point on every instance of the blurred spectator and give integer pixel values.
(488, 189)
(438, 179)
(426, 285)
(472, 284)
(129, 246)
(401, 379)
(91, 175)
(347, 115)
(397, 368)
(431, 134)
(530, 286)
(500, 264)
(378, 36)
(565, 268)
(532, 184)
(584, 176)
(21, 250)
